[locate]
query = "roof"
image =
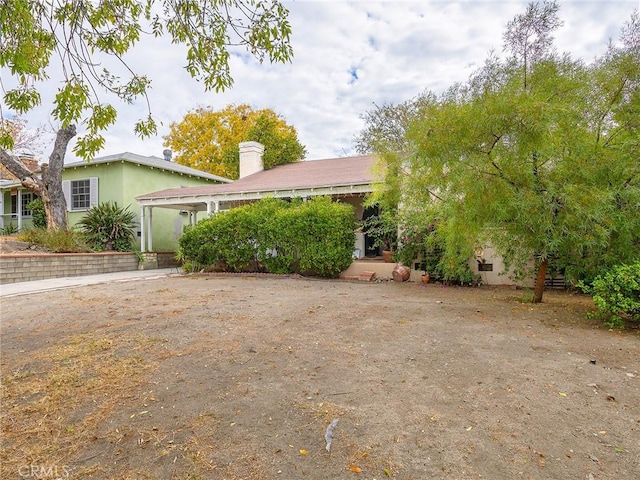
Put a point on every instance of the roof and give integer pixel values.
(151, 161)
(6, 183)
(306, 175)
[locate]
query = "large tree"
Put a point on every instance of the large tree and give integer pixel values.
(536, 155)
(208, 140)
(79, 41)
(48, 184)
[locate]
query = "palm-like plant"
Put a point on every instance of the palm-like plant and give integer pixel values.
(109, 227)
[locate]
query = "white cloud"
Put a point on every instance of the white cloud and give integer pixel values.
(348, 56)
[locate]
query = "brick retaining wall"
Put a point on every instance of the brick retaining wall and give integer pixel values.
(24, 268)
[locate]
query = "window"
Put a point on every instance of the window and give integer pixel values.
(26, 198)
(81, 194)
(485, 267)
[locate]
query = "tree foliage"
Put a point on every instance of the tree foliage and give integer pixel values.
(536, 155)
(82, 46)
(86, 43)
(208, 140)
(23, 139)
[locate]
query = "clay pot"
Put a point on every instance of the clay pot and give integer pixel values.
(387, 256)
(400, 273)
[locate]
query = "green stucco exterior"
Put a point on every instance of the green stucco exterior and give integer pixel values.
(7, 221)
(121, 181)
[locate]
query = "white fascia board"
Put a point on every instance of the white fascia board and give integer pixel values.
(305, 192)
(254, 195)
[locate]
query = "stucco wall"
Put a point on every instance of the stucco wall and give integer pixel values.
(121, 181)
(498, 275)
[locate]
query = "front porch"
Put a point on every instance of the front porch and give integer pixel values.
(362, 268)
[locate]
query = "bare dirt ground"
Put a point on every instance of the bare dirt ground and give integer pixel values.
(238, 377)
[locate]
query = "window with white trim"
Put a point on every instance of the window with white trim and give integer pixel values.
(81, 194)
(25, 199)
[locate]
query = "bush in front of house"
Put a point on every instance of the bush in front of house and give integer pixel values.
(314, 237)
(109, 227)
(58, 240)
(616, 294)
(38, 213)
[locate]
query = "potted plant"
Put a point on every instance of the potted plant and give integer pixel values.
(383, 229)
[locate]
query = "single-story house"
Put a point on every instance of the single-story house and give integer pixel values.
(346, 179)
(114, 178)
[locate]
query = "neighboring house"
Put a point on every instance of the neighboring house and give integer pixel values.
(116, 178)
(347, 179)
(14, 198)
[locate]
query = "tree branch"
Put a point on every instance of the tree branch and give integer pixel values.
(24, 175)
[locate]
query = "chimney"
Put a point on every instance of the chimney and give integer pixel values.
(167, 154)
(251, 158)
(29, 160)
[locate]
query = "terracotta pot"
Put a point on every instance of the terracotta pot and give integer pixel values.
(425, 278)
(401, 273)
(387, 256)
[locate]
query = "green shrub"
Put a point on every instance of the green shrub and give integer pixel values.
(109, 227)
(314, 237)
(9, 229)
(383, 230)
(56, 240)
(423, 243)
(616, 294)
(38, 213)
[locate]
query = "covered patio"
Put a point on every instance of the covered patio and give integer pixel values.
(347, 179)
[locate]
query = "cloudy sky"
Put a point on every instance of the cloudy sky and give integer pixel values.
(348, 56)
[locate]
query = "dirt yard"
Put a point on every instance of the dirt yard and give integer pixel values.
(238, 377)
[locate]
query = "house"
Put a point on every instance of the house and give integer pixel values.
(347, 179)
(13, 194)
(114, 178)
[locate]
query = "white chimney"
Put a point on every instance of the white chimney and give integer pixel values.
(251, 158)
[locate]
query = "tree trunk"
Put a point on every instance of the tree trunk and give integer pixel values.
(542, 273)
(49, 185)
(54, 202)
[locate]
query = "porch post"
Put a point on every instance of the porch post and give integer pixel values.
(19, 209)
(143, 227)
(216, 206)
(208, 209)
(150, 231)
(195, 217)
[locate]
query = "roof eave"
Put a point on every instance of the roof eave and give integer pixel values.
(353, 188)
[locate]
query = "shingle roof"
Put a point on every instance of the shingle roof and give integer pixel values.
(151, 161)
(309, 174)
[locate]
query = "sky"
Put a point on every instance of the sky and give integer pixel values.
(348, 57)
